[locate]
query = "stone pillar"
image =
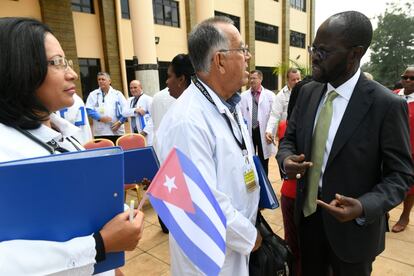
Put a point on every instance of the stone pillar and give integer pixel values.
(250, 31)
(143, 33)
(311, 22)
(110, 42)
(190, 15)
(285, 39)
(58, 16)
(204, 9)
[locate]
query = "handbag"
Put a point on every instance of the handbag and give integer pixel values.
(273, 257)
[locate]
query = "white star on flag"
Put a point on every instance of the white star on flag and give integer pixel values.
(169, 183)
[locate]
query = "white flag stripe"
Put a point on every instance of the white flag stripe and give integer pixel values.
(197, 235)
(204, 204)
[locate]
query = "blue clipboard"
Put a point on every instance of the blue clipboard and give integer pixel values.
(68, 195)
(139, 164)
(268, 199)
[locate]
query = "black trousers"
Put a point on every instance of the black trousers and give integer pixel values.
(257, 144)
(317, 256)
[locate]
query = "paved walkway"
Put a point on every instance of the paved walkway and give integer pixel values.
(151, 257)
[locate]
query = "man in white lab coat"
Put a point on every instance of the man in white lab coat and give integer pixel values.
(138, 108)
(104, 105)
(256, 104)
(206, 124)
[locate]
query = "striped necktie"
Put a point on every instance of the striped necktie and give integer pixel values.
(255, 123)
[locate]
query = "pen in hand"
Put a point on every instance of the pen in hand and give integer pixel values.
(131, 210)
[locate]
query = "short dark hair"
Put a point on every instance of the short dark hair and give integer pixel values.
(357, 30)
(257, 72)
(291, 70)
(181, 65)
(23, 68)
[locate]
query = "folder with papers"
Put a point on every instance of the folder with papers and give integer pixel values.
(268, 197)
(139, 164)
(59, 197)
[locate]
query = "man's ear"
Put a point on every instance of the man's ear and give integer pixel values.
(357, 53)
(219, 62)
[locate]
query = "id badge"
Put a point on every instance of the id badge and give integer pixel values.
(248, 174)
(101, 110)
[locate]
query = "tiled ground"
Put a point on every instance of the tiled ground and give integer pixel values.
(151, 257)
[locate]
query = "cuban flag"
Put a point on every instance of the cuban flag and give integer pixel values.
(186, 205)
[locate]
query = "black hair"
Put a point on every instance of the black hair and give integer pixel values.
(182, 66)
(23, 68)
(356, 30)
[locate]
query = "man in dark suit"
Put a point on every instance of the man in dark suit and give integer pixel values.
(348, 144)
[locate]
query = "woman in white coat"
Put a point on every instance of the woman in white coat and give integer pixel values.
(264, 100)
(37, 80)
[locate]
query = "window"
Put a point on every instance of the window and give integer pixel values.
(89, 68)
(297, 39)
(162, 73)
(125, 9)
(82, 6)
(166, 12)
(266, 32)
(270, 81)
(235, 19)
(298, 4)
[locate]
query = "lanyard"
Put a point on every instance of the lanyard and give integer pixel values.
(203, 90)
(50, 146)
(134, 101)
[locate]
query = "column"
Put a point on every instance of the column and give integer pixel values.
(143, 33)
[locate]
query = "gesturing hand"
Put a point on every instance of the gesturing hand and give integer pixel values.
(295, 166)
(343, 208)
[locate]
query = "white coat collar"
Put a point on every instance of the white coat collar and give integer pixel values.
(45, 133)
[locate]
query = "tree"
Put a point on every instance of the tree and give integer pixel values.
(392, 44)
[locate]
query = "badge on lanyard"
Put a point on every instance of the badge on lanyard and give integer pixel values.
(248, 173)
(101, 110)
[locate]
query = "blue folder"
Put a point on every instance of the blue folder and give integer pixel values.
(63, 196)
(268, 197)
(139, 164)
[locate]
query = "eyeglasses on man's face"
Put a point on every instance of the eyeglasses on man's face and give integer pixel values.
(244, 50)
(61, 62)
(411, 78)
(323, 54)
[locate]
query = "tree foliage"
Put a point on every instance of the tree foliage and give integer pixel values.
(393, 44)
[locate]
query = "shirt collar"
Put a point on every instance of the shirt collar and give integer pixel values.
(346, 89)
(256, 91)
(409, 97)
(45, 133)
(219, 102)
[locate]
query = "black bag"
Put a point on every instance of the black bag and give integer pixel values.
(274, 257)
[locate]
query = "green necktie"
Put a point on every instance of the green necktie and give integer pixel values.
(320, 136)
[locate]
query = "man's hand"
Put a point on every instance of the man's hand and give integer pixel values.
(343, 208)
(115, 126)
(295, 166)
(258, 242)
(269, 138)
(140, 111)
(119, 234)
(105, 119)
(143, 133)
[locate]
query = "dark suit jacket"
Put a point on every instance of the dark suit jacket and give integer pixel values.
(370, 160)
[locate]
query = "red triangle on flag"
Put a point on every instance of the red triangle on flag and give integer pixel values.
(169, 184)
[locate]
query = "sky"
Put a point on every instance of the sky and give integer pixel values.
(371, 8)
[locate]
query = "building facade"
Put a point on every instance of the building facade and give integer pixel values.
(138, 38)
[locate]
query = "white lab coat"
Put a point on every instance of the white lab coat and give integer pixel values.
(76, 114)
(264, 107)
(161, 102)
(279, 110)
(27, 257)
(197, 127)
(111, 105)
(145, 103)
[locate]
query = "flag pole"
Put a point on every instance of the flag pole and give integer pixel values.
(141, 203)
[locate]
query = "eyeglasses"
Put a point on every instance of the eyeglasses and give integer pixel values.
(61, 62)
(407, 77)
(244, 49)
(321, 53)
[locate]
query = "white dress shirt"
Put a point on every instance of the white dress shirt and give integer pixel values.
(339, 105)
